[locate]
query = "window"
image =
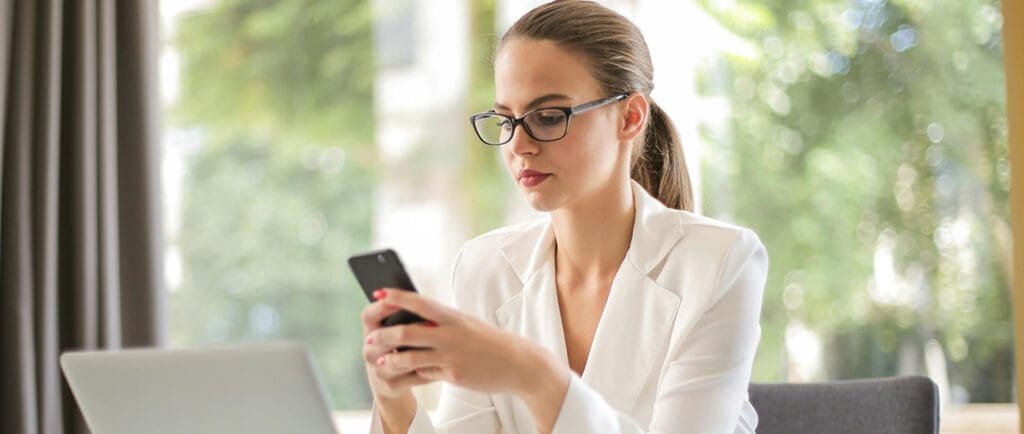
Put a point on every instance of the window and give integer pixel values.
(270, 129)
(867, 145)
(864, 140)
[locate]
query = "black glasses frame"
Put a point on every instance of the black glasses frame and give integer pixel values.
(569, 111)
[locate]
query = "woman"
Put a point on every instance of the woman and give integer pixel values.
(617, 313)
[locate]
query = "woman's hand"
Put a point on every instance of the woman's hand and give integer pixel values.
(452, 347)
(386, 382)
(462, 350)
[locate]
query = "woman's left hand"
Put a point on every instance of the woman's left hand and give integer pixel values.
(464, 350)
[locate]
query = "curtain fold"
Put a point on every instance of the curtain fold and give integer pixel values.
(80, 243)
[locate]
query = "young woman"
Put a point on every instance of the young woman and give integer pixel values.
(622, 311)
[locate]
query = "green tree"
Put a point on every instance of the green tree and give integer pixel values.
(484, 176)
(279, 193)
(867, 146)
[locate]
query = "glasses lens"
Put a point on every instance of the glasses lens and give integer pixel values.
(546, 124)
(493, 129)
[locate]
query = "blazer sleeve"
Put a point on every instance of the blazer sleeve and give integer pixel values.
(459, 410)
(705, 385)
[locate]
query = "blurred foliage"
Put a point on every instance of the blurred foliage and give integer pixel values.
(279, 193)
(867, 146)
(483, 172)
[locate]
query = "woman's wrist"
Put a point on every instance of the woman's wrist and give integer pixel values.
(396, 413)
(545, 386)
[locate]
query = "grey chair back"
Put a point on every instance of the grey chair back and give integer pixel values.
(882, 405)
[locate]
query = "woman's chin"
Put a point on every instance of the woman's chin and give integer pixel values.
(542, 202)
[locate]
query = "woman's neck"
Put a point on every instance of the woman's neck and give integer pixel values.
(592, 236)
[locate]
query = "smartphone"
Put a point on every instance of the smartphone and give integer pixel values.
(383, 269)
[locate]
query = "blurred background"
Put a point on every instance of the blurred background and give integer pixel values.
(865, 141)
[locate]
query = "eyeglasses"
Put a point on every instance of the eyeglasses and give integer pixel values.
(543, 124)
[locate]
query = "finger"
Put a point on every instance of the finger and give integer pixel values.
(389, 373)
(408, 361)
(406, 381)
(372, 315)
(431, 373)
(373, 352)
(405, 335)
(415, 303)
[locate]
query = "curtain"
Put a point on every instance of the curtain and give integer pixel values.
(80, 241)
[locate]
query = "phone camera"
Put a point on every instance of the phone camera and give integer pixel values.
(381, 258)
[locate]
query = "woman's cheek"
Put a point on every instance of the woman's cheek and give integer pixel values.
(507, 156)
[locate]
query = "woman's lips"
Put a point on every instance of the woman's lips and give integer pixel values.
(530, 178)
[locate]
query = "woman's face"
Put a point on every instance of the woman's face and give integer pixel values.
(590, 159)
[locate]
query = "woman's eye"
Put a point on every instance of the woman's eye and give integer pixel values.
(550, 119)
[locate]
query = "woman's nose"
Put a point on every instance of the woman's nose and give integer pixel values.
(521, 143)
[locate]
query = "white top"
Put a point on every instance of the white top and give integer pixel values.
(673, 349)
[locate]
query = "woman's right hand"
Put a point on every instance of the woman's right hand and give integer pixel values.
(384, 381)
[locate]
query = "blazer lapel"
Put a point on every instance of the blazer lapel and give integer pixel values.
(636, 324)
(635, 327)
(631, 336)
(533, 312)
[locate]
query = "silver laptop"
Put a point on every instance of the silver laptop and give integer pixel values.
(251, 389)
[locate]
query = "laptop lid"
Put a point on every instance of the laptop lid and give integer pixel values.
(256, 388)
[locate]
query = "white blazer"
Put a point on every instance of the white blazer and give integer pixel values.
(674, 346)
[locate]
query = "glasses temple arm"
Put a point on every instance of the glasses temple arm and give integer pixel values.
(595, 104)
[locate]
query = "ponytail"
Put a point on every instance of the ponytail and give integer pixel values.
(659, 165)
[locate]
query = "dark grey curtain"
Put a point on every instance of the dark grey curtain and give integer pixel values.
(79, 204)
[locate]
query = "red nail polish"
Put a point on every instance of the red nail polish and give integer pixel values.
(380, 294)
(380, 361)
(369, 339)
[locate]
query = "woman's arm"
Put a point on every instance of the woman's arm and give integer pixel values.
(396, 414)
(473, 355)
(545, 383)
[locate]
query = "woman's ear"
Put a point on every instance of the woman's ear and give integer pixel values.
(634, 117)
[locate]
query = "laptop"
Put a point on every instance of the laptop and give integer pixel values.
(252, 389)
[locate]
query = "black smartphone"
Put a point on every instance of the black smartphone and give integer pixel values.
(383, 269)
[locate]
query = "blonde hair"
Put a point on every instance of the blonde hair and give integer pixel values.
(621, 63)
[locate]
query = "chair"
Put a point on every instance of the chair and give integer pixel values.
(881, 405)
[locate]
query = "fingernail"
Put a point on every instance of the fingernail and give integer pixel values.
(380, 294)
(369, 339)
(380, 361)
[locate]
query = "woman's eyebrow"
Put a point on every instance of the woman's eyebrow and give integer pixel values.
(536, 101)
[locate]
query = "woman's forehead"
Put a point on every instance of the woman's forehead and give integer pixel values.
(528, 70)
